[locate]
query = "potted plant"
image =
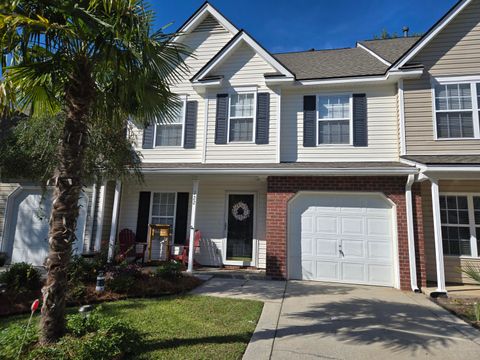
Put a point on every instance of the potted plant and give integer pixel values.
(3, 258)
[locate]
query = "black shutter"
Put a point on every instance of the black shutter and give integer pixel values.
(360, 126)
(309, 121)
(148, 140)
(190, 125)
(181, 219)
(263, 118)
(221, 123)
(143, 215)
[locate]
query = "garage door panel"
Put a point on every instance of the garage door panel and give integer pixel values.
(353, 248)
(379, 227)
(326, 247)
(358, 224)
(326, 270)
(326, 225)
(352, 226)
(353, 272)
(379, 250)
(379, 274)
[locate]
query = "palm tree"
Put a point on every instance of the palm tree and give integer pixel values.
(93, 61)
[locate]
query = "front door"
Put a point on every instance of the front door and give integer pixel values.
(240, 221)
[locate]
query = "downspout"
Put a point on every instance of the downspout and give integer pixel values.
(411, 233)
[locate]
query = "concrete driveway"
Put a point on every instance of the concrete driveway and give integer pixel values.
(310, 320)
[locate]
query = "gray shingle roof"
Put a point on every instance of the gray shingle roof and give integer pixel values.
(390, 49)
(321, 64)
(445, 159)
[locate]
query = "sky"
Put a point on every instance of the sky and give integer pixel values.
(286, 25)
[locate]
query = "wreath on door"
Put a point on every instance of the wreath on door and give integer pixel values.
(240, 211)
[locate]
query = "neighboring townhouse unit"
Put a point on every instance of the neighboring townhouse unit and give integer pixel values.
(316, 165)
(441, 136)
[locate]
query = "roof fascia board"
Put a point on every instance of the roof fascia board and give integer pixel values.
(307, 171)
(437, 28)
(374, 54)
(230, 47)
(391, 75)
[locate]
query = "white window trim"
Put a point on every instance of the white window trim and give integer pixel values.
(150, 215)
(471, 225)
(350, 143)
(254, 131)
(183, 99)
(472, 80)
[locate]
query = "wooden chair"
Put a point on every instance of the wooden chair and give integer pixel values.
(183, 257)
(129, 247)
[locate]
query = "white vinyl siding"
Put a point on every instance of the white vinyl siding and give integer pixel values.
(382, 121)
(210, 209)
(204, 43)
(242, 69)
(453, 52)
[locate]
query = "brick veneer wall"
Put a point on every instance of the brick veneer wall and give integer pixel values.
(282, 188)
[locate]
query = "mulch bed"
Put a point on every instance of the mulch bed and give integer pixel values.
(11, 304)
(461, 307)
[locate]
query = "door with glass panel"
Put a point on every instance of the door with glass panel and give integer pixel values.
(240, 229)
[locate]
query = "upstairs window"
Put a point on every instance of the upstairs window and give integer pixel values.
(334, 119)
(457, 110)
(169, 132)
(242, 117)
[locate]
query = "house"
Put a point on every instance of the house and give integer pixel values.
(315, 165)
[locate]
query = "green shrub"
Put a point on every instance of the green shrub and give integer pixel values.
(96, 337)
(21, 277)
(123, 278)
(170, 271)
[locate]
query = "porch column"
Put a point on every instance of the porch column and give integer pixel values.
(437, 231)
(113, 229)
(100, 217)
(191, 244)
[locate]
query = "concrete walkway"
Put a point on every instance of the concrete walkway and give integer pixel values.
(310, 320)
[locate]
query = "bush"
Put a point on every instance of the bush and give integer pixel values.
(170, 271)
(21, 278)
(123, 278)
(95, 337)
(472, 271)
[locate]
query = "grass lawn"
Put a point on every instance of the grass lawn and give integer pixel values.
(186, 327)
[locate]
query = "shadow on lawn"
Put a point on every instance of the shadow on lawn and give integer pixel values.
(151, 346)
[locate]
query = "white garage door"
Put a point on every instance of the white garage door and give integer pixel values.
(29, 221)
(341, 238)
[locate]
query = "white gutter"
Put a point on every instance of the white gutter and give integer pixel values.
(113, 229)
(277, 171)
(411, 234)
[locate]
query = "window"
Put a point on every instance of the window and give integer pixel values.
(334, 119)
(457, 110)
(169, 132)
(460, 217)
(163, 209)
(242, 119)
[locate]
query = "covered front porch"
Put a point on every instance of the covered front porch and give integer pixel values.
(226, 212)
(451, 223)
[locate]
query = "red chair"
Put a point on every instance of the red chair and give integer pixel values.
(129, 247)
(183, 257)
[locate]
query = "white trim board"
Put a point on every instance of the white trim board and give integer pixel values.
(241, 38)
(374, 54)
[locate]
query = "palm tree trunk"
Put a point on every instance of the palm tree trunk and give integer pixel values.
(68, 187)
